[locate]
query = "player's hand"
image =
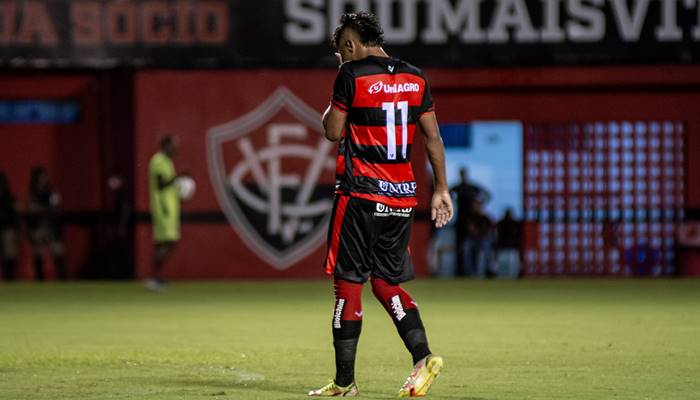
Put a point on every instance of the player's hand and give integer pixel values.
(340, 59)
(441, 208)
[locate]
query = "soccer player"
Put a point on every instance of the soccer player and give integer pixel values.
(376, 104)
(165, 208)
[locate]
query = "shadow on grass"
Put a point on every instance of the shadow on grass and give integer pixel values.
(225, 387)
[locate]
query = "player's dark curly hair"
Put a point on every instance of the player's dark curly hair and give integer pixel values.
(365, 24)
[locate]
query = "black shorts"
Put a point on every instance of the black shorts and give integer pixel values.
(366, 239)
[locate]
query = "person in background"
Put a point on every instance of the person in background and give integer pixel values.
(468, 196)
(43, 221)
(165, 208)
(119, 245)
(9, 226)
(110, 245)
(482, 234)
(508, 246)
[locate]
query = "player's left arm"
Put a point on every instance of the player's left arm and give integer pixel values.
(164, 183)
(159, 170)
(333, 123)
(441, 203)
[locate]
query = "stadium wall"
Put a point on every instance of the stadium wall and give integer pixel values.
(70, 153)
(81, 155)
(192, 103)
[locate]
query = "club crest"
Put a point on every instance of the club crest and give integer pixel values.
(273, 175)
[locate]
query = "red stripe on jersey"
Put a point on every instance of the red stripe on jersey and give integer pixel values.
(339, 106)
(395, 202)
(376, 135)
(340, 165)
(373, 90)
(387, 172)
(332, 257)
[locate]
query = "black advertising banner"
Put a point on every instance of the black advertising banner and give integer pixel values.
(294, 33)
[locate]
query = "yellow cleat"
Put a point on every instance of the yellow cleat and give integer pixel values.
(422, 376)
(333, 390)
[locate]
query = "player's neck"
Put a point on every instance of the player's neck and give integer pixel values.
(377, 52)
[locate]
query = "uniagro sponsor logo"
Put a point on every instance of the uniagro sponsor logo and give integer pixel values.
(380, 86)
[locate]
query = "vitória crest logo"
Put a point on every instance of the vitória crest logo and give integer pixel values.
(273, 174)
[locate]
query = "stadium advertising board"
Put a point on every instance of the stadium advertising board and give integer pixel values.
(294, 33)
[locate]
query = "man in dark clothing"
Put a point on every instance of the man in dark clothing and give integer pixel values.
(44, 223)
(467, 197)
(483, 240)
(9, 225)
(510, 233)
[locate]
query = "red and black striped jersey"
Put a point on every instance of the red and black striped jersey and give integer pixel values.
(384, 98)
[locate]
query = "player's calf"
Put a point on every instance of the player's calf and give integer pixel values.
(404, 313)
(347, 325)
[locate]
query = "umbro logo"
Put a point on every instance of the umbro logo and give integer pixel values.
(391, 68)
(386, 211)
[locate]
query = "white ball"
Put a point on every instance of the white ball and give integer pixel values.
(186, 187)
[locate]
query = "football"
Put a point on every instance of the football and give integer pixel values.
(186, 187)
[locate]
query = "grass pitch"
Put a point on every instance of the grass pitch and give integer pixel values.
(537, 339)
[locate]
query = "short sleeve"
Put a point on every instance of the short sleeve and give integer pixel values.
(154, 166)
(427, 104)
(158, 167)
(343, 89)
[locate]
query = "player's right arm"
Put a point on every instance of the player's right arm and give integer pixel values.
(441, 203)
(335, 117)
(334, 123)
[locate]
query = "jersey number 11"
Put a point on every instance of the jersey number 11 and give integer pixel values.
(390, 109)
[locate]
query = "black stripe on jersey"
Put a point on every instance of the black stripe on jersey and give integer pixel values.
(373, 65)
(377, 154)
(377, 116)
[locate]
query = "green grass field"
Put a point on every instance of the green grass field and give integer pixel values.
(537, 339)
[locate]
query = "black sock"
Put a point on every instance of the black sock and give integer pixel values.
(60, 266)
(345, 341)
(39, 268)
(412, 333)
